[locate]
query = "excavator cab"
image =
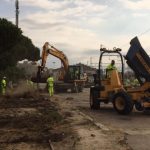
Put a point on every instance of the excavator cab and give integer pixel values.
(74, 72)
(107, 82)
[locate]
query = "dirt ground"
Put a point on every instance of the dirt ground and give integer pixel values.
(30, 121)
(33, 121)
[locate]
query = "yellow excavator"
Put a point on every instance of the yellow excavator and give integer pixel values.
(111, 88)
(71, 76)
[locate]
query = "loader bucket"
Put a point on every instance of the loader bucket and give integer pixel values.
(138, 60)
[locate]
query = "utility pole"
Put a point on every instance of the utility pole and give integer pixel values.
(17, 12)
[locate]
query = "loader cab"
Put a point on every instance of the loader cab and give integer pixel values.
(75, 72)
(103, 74)
(106, 85)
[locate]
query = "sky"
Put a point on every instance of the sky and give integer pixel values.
(79, 27)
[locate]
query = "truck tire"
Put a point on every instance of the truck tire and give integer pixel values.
(138, 106)
(94, 103)
(122, 103)
(80, 88)
(74, 89)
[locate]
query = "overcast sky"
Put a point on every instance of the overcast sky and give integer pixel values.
(79, 27)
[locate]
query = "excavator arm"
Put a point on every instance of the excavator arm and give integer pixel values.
(48, 49)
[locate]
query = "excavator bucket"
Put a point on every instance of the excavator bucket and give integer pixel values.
(138, 60)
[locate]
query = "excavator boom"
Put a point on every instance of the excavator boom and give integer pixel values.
(48, 49)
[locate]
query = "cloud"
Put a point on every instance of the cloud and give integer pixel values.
(140, 15)
(68, 25)
(78, 27)
(136, 5)
(45, 4)
(31, 24)
(80, 5)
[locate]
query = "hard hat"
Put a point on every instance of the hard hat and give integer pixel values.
(4, 77)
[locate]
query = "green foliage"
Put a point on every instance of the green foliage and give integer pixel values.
(14, 47)
(13, 73)
(9, 35)
(25, 49)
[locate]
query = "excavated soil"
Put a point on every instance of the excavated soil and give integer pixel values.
(30, 121)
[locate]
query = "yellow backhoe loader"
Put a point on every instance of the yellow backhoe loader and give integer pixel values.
(112, 89)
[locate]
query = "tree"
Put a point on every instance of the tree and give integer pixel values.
(14, 46)
(9, 35)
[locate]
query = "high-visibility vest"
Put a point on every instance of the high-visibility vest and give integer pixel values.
(29, 82)
(111, 67)
(3, 83)
(50, 81)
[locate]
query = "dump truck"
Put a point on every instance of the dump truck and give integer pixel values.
(70, 77)
(112, 88)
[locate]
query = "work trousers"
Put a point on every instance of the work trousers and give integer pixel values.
(51, 90)
(3, 90)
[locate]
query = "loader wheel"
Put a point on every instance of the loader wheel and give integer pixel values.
(122, 103)
(138, 106)
(80, 88)
(94, 103)
(74, 90)
(146, 111)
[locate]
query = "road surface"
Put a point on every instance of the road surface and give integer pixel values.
(135, 126)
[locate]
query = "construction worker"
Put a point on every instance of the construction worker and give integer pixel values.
(50, 85)
(127, 82)
(110, 67)
(3, 86)
(76, 74)
(85, 76)
(135, 82)
(29, 83)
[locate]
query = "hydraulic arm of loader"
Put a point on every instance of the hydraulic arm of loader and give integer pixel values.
(139, 61)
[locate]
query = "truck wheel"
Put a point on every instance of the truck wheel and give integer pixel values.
(146, 111)
(74, 90)
(80, 88)
(138, 106)
(94, 103)
(122, 103)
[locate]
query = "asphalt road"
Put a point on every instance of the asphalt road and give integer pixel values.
(136, 126)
